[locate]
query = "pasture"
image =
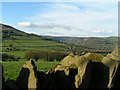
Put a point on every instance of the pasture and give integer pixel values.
(12, 69)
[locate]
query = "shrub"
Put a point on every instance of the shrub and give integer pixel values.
(45, 55)
(6, 57)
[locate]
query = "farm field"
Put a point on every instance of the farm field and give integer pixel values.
(65, 44)
(16, 43)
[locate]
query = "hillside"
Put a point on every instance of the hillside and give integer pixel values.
(16, 42)
(19, 38)
(98, 43)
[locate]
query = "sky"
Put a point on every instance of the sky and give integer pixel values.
(76, 19)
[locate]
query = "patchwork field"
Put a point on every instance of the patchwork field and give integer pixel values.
(16, 43)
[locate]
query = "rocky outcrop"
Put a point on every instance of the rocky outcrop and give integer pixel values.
(71, 70)
(81, 68)
(27, 77)
(26, 80)
(74, 72)
(112, 61)
(91, 71)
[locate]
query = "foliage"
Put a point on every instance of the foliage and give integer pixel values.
(6, 57)
(46, 55)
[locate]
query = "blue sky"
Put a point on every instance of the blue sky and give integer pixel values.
(88, 19)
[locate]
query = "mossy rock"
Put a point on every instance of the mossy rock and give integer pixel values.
(116, 53)
(112, 61)
(94, 57)
(27, 77)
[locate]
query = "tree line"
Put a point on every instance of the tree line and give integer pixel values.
(6, 57)
(45, 55)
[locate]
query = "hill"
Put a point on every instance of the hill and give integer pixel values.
(18, 38)
(98, 43)
(16, 42)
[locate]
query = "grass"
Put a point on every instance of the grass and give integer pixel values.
(12, 69)
(23, 44)
(20, 54)
(36, 44)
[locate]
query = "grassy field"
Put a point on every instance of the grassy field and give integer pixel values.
(17, 43)
(23, 44)
(12, 69)
(33, 44)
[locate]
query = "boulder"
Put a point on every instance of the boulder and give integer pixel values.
(112, 61)
(73, 70)
(94, 57)
(27, 77)
(99, 75)
(88, 71)
(12, 84)
(4, 86)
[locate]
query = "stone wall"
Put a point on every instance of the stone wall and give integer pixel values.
(74, 72)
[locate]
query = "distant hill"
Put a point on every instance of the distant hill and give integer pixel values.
(101, 43)
(25, 41)
(9, 31)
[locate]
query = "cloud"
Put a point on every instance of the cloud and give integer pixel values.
(103, 32)
(24, 24)
(66, 7)
(43, 25)
(55, 33)
(78, 18)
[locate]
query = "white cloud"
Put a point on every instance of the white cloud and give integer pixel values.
(30, 25)
(103, 32)
(24, 24)
(81, 18)
(66, 7)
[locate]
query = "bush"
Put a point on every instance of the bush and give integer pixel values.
(6, 57)
(45, 55)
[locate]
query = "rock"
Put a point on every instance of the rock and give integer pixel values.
(73, 70)
(27, 77)
(83, 75)
(4, 86)
(94, 57)
(88, 71)
(115, 55)
(12, 84)
(116, 79)
(44, 81)
(112, 61)
(99, 75)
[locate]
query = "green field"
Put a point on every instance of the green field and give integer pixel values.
(17, 43)
(12, 69)
(25, 43)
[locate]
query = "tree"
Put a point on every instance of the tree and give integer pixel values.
(10, 45)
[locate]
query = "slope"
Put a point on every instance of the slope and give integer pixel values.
(16, 42)
(97, 43)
